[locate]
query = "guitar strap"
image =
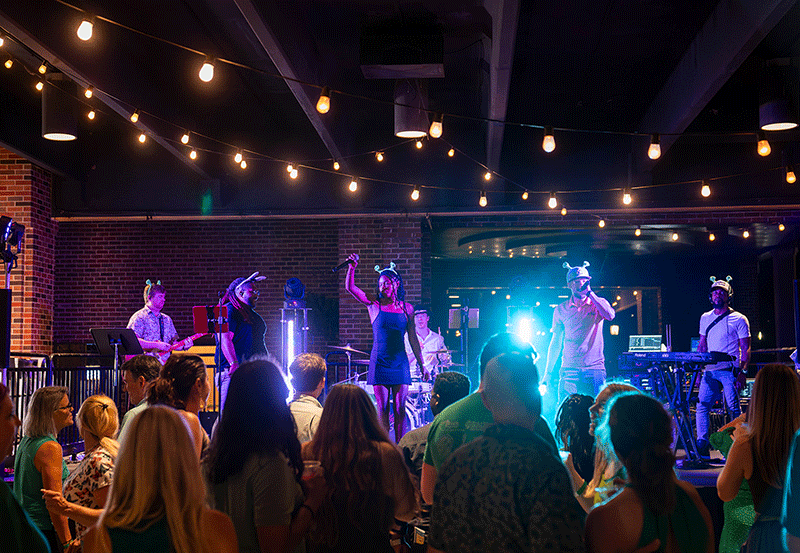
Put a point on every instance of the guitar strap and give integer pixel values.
(161, 326)
(718, 319)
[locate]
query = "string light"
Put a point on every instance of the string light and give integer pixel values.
(89, 92)
(43, 68)
(353, 184)
(142, 138)
(626, 196)
(85, 29)
(552, 203)
(243, 164)
(601, 223)
(764, 148)
(563, 211)
(2, 40)
(9, 62)
(135, 116)
(91, 115)
(436, 126)
(379, 156)
(712, 237)
(238, 157)
(791, 178)
(324, 102)
(746, 234)
(675, 236)
(451, 152)
(549, 141)
(781, 227)
(193, 154)
(289, 168)
(487, 176)
(705, 191)
(638, 231)
(419, 144)
(39, 86)
(293, 175)
(654, 151)
(206, 72)
(415, 193)
(336, 165)
(483, 201)
(525, 195)
(185, 137)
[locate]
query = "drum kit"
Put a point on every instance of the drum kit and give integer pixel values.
(419, 391)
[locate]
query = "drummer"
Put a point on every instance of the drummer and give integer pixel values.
(434, 353)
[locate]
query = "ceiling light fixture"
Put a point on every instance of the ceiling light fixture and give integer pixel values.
(436, 126)
(774, 116)
(324, 102)
(549, 141)
(654, 151)
(206, 72)
(85, 29)
(764, 148)
(59, 117)
(410, 102)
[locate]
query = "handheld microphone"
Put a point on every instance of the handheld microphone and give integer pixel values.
(342, 265)
(585, 286)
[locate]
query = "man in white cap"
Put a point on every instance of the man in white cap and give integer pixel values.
(728, 331)
(578, 337)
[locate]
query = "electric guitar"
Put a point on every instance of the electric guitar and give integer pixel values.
(162, 356)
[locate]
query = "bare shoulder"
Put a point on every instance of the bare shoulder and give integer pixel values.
(48, 453)
(219, 532)
(615, 525)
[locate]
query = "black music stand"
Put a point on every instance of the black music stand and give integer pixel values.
(113, 342)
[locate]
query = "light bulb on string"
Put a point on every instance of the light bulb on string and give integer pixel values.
(746, 234)
(379, 156)
(336, 165)
(712, 237)
(142, 138)
(451, 152)
(601, 223)
(135, 116)
(419, 144)
(206, 72)
(9, 63)
(324, 102)
(415, 193)
(764, 148)
(193, 154)
(626, 196)
(353, 184)
(487, 176)
(552, 203)
(436, 126)
(781, 227)
(563, 211)
(675, 237)
(638, 231)
(289, 168)
(43, 68)
(243, 164)
(237, 158)
(293, 175)
(483, 201)
(654, 151)
(185, 137)
(85, 29)
(705, 190)
(89, 92)
(2, 40)
(791, 178)
(91, 115)
(549, 141)
(525, 195)
(39, 85)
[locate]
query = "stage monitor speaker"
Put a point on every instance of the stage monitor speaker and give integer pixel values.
(5, 328)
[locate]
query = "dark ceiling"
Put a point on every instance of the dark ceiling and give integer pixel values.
(604, 74)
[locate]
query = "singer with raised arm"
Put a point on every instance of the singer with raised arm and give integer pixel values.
(154, 329)
(392, 319)
(578, 337)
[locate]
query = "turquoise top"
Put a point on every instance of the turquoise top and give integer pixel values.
(153, 539)
(28, 481)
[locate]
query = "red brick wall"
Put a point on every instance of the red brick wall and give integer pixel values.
(25, 197)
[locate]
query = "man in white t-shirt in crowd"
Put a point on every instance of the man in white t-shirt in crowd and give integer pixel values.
(725, 330)
(434, 352)
(308, 379)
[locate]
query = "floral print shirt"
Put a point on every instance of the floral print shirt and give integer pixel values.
(95, 471)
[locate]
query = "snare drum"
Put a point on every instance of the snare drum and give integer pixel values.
(420, 387)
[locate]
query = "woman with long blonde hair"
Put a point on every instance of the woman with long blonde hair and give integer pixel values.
(369, 483)
(760, 450)
(86, 488)
(157, 498)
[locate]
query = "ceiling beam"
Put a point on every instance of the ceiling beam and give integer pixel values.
(269, 41)
(727, 38)
(56, 62)
(505, 15)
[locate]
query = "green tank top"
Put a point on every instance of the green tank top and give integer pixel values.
(154, 539)
(688, 526)
(28, 481)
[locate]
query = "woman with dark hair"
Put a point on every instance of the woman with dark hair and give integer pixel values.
(17, 531)
(654, 505)
(39, 461)
(760, 450)
(369, 483)
(246, 330)
(254, 468)
(572, 430)
(392, 318)
(183, 384)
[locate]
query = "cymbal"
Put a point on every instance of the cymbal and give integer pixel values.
(348, 349)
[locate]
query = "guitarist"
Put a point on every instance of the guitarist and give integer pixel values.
(728, 331)
(155, 330)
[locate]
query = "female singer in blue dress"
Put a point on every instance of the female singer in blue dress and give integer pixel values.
(391, 319)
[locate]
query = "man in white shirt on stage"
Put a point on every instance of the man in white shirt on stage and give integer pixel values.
(434, 352)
